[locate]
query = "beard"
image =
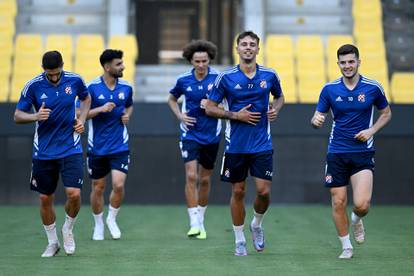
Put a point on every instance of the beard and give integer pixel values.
(117, 74)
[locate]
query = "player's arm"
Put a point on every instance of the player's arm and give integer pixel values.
(383, 119)
(127, 114)
(183, 117)
(243, 115)
(318, 119)
(85, 104)
(22, 117)
(275, 107)
(107, 107)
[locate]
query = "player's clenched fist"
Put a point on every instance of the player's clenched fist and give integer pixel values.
(43, 113)
(318, 119)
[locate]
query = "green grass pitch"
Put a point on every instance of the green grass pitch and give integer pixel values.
(300, 240)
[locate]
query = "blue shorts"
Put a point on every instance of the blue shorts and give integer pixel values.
(100, 165)
(235, 166)
(45, 173)
(205, 154)
(341, 166)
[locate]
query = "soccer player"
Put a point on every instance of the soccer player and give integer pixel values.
(246, 88)
(200, 134)
(56, 147)
(351, 99)
(108, 150)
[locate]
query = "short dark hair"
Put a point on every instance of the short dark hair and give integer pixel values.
(52, 60)
(110, 54)
(199, 46)
(247, 33)
(347, 49)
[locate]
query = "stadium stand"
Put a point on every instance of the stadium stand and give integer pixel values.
(64, 44)
(402, 88)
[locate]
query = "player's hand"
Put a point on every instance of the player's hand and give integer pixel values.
(107, 107)
(364, 135)
(43, 113)
(187, 120)
(317, 120)
(125, 118)
(203, 103)
(247, 116)
(79, 126)
(272, 113)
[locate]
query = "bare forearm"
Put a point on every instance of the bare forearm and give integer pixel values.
(84, 108)
(129, 110)
(382, 120)
(217, 112)
(21, 117)
(278, 103)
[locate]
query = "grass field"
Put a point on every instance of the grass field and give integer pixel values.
(301, 240)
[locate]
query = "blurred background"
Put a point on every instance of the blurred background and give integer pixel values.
(299, 39)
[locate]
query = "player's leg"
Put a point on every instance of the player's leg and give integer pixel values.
(208, 155)
(340, 218)
(234, 169)
(261, 169)
(115, 201)
(362, 183)
(336, 179)
(71, 168)
(191, 197)
(97, 204)
(45, 175)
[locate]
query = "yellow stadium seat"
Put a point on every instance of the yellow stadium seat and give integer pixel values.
(309, 46)
(333, 43)
(402, 88)
(17, 86)
(5, 66)
(309, 89)
(29, 46)
(288, 83)
(278, 46)
(89, 46)
(7, 27)
(4, 88)
(282, 65)
(127, 43)
(363, 7)
(8, 7)
(63, 44)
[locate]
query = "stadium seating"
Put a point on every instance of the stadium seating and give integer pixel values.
(88, 49)
(402, 87)
(7, 26)
(4, 88)
(8, 7)
(127, 43)
(63, 44)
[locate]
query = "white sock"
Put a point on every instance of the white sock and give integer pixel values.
(238, 233)
(98, 219)
(69, 222)
(355, 219)
(346, 242)
(112, 212)
(257, 219)
(193, 214)
(201, 212)
(51, 233)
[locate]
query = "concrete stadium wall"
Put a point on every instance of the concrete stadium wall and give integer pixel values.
(157, 172)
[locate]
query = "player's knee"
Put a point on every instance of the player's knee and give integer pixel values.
(205, 181)
(46, 200)
(98, 188)
(362, 209)
(118, 187)
(339, 203)
(73, 194)
(191, 177)
(238, 192)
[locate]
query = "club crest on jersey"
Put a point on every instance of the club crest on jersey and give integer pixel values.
(328, 179)
(68, 90)
(361, 97)
(263, 84)
(121, 96)
(210, 86)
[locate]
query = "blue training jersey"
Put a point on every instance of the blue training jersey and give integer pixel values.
(238, 91)
(207, 129)
(352, 111)
(107, 134)
(55, 137)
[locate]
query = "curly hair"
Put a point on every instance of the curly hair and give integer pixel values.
(199, 46)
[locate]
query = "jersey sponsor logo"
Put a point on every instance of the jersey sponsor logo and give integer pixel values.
(68, 90)
(44, 96)
(263, 84)
(101, 97)
(339, 99)
(237, 86)
(328, 179)
(210, 86)
(189, 89)
(361, 98)
(121, 96)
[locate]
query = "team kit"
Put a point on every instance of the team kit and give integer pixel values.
(247, 98)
